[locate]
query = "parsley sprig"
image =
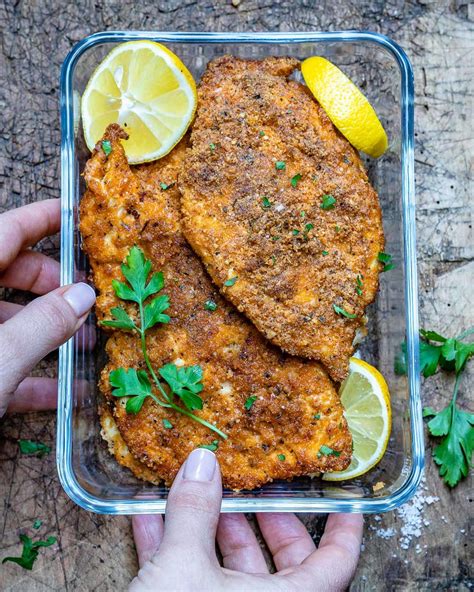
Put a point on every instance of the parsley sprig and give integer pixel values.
(184, 382)
(453, 454)
(30, 551)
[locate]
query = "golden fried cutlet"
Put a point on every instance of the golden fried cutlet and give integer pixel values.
(296, 408)
(263, 154)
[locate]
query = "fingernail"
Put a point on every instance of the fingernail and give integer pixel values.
(80, 298)
(200, 466)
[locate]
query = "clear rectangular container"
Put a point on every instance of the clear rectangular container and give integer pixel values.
(88, 473)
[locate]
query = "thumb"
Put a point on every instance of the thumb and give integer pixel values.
(38, 329)
(194, 503)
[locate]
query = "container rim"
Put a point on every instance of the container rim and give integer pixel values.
(65, 368)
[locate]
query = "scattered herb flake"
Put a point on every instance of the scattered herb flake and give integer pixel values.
(261, 133)
(325, 253)
(326, 451)
(302, 213)
(327, 202)
(213, 446)
(273, 259)
(165, 186)
(337, 228)
(359, 284)
(30, 551)
(230, 282)
(295, 179)
(343, 312)
(295, 231)
(317, 416)
(212, 146)
(276, 238)
(309, 227)
(210, 305)
(31, 447)
(167, 424)
(281, 457)
(386, 259)
(37, 524)
(266, 203)
(249, 402)
(106, 147)
(280, 165)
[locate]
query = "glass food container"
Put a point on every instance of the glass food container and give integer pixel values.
(88, 472)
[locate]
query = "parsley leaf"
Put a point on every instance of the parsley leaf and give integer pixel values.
(343, 312)
(295, 179)
(249, 402)
(106, 147)
(230, 282)
(121, 320)
(327, 451)
(213, 446)
(153, 312)
(280, 165)
(210, 305)
(185, 382)
(386, 259)
(131, 383)
(31, 447)
(327, 202)
(454, 453)
(30, 551)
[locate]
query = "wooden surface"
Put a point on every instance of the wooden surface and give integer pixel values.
(96, 552)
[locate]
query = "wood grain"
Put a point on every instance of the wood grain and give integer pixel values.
(96, 552)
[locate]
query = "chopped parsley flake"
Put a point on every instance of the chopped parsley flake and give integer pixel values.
(37, 524)
(276, 238)
(281, 457)
(280, 165)
(261, 133)
(230, 282)
(295, 231)
(167, 424)
(266, 203)
(212, 146)
(359, 285)
(213, 446)
(210, 305)
(295, 179)
(273, 259)
(337, 228)
(327, 202)
(386, 259)
(317, 416)
(343, 312)
(309, 227)
(249, 402)
(302, 213)
(31, 447)
(326, 451)
(325, 253)
(106, 147)
(164, 186)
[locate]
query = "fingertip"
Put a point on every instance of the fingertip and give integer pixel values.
(147, 533)
(80, 297)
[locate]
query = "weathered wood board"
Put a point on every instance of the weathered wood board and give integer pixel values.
(96, 552)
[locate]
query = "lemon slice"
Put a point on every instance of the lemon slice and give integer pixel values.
(346, 106)
(145, 88)
(366, 400)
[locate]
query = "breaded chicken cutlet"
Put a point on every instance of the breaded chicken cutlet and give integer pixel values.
(275, 196)
(296, 409)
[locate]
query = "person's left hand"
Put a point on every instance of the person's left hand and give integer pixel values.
(28, 333)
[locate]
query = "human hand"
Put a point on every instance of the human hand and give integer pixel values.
(181, 555)
(28, 333)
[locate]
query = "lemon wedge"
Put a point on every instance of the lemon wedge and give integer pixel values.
(366, 400)
(346, 106)
(145, 88)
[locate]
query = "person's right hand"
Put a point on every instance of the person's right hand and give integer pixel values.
(180, 555)
(28, 333)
